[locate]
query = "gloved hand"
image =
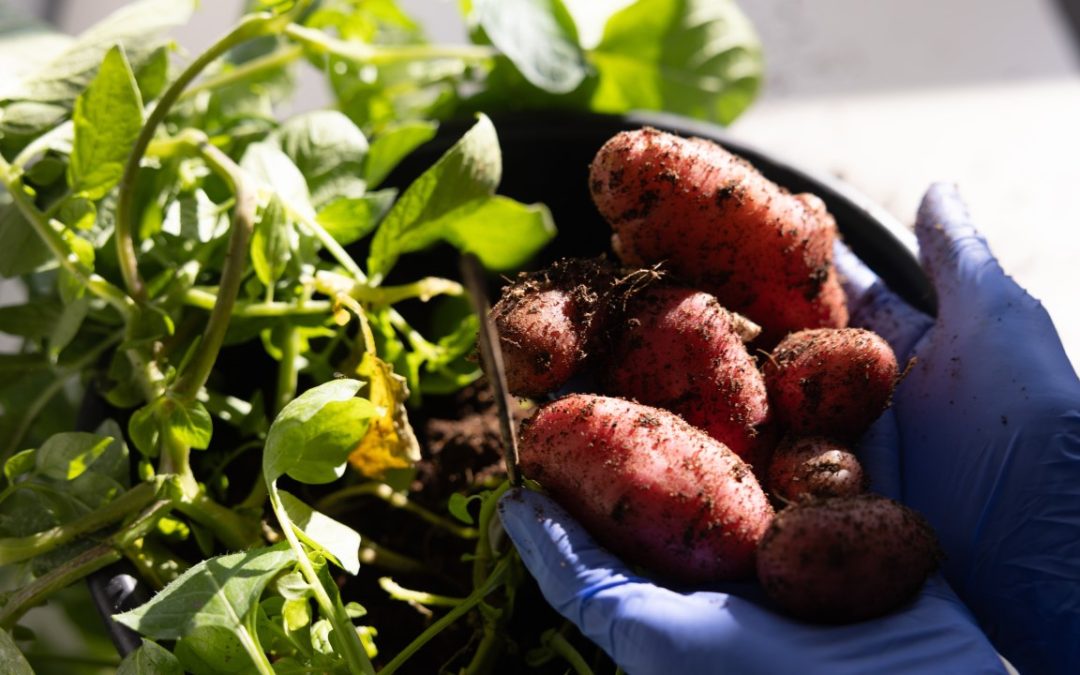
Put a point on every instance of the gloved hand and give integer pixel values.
(987, 437)
(946, 459)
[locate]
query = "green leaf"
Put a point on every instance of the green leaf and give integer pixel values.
(470, 169)
(33, 320)
(12, 660)
(458, 506)
(539, 37)
(338, 542)
(216, 592)
(150, 659)
(139, 28)
(153, 74)
(21, 249)
(189, 422)
(77, 213)
(144, 430)
(212, 650)
(293, 586)
(266, 162)
(66, 456)
(108, 118)
(67, 326)
(20, 464)
(351, 219)
(311, 438)
(193, 216)
(503, 233)
(296, 613)
(692, 57)
(272, 243)
(329, 150)
(392, 145)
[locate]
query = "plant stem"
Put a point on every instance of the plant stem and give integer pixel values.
(197, 297)
(559, 644)
(373, 554)
(355, 655)
(482, 559)
(249, 638)
(331, 502)
(55, 579)
(423, 289)
(399, 592)
(251, 26)
(232, 529)
(15, 549)
(287, 371)
(275, 59)
(94, 283)
(473, 599)
(380, 55)
(232, 274)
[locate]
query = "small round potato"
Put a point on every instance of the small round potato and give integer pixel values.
(814, 467)
(845, 559)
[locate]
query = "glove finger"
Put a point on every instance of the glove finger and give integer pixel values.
(879, 453)
(570, 566)
(872, 305)
(952, 251)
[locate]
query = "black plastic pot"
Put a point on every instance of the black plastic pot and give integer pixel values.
(546, 159)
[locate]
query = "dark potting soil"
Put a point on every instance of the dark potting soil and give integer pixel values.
(461, 447)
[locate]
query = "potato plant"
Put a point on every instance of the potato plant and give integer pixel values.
(229, 292)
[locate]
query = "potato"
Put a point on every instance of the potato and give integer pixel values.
(720, 226)
(814, 467)
(832, 382)
(845, 559)
(650, 487)
(547, 323)
(678, 349)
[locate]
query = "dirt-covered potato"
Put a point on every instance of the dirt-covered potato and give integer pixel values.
(814, 467)
(678, 349)
(548, 321)
(832, 382)
(647, 485)
(845, 559)
(717, 224)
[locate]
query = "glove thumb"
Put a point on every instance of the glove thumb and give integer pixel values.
(954, 254)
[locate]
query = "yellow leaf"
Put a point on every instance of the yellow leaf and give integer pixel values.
(389, 442)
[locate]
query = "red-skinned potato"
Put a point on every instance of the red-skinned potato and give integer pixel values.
(648, 486)
(814, 467)
(716, 223)
(845, 559)
(832, 382)
(678, 349)
(548, 321)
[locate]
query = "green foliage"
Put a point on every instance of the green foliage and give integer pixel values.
(233, 232)
(540, 39)
(218, 592)
(339, 543)
(313, 435)
(694, 57)
(11, 658)
(108, 117)
(150, 659)
(470, 170)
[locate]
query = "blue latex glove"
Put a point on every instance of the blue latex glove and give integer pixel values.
(952, 469)
(986, 442)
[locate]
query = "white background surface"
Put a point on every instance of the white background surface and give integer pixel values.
(889, 95)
